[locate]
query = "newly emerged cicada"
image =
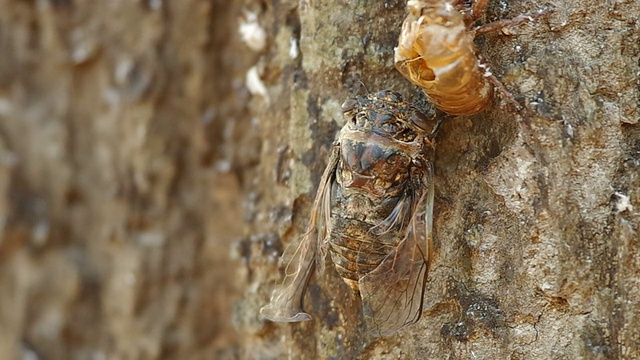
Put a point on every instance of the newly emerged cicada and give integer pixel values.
(372, 214)
(436, 52)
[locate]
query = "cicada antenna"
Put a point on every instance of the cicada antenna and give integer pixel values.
(364, 86)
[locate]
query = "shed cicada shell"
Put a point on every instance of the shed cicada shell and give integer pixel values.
(372, 214)
(436, 52)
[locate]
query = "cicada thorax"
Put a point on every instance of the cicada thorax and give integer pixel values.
(377, 169)
(436, 52)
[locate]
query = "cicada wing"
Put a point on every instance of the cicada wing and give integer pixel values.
(392, 294)
(397, 218)
(286, 301)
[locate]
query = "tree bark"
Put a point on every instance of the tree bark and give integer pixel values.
(156, 157)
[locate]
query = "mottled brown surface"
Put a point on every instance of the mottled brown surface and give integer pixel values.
(117, 225)
(146, 193)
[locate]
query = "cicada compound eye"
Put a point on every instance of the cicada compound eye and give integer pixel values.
(420, 120)
(349, 108)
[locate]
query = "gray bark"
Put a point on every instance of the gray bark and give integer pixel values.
(147, 188)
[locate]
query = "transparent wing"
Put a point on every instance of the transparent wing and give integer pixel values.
(392, 294)
(286, 301)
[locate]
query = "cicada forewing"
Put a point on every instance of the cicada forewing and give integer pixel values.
(286, 301)
(392, 294)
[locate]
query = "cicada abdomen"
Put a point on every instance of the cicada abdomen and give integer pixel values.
(436, 52)
(372, 215)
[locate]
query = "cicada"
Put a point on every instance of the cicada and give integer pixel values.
(372, 214)
(436, 52)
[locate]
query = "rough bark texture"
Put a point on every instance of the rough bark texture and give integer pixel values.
(148, 188)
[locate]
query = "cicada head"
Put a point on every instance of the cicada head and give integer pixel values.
(386, 114)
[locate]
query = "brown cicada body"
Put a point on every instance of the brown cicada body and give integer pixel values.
(372, 214)
(436, 52)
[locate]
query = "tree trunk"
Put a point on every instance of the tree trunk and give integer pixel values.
(156, 157)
